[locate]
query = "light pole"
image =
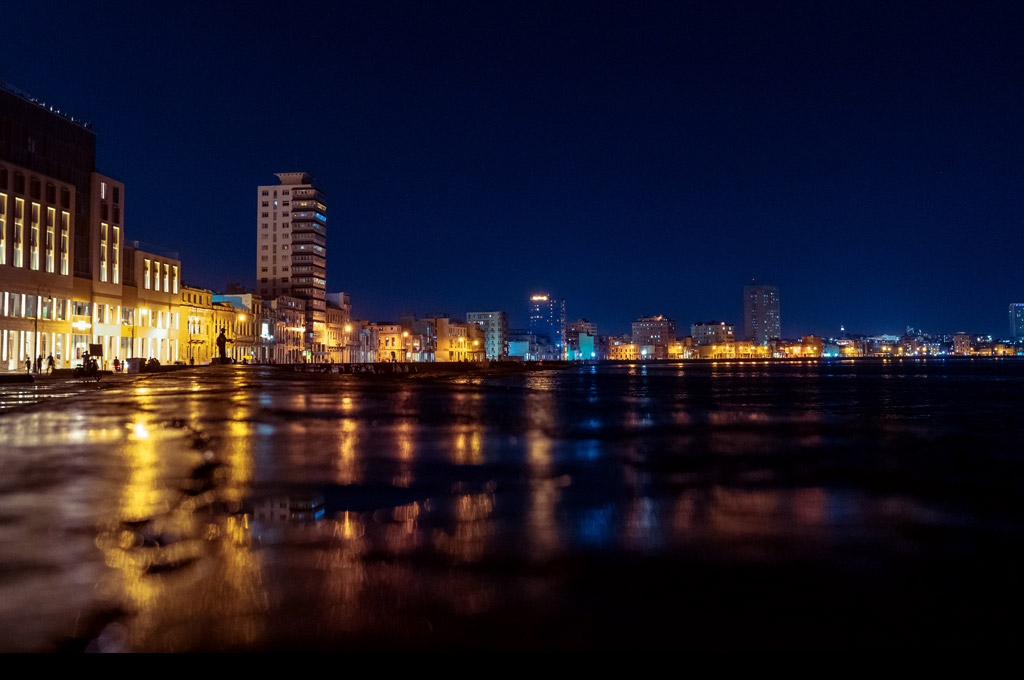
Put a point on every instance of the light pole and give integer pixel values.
(41, 290)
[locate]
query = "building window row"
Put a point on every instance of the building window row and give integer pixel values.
(27, 306)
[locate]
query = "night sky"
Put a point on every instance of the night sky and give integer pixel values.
(634, 158)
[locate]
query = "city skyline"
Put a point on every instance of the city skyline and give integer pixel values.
(715, 147)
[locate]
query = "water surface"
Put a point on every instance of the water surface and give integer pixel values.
(700, 505)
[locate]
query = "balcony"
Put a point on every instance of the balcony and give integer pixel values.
(304, 237)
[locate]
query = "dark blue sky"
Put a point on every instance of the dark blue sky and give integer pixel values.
(634, 158)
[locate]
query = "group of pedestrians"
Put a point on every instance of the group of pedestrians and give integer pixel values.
(37, 366)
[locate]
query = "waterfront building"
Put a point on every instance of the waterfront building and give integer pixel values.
(286, 322)
(653, 335)
(522, 344)
(391, 343)
(547, 323)
(712, 332)
(452, 340)
(339, 338)
(621, 350)
(588, 346)
(962, 344)
(1017, 320)
(364, 346)
(476, 339)
(678, 349)
(809, 347)
(243, 326)
(196, 312)
(730, 350)
(148, 307)
(69, 281)
(37, 288)
(761, 318)
(291, 255)
(573, 331)
(51, 147)
(495, 327)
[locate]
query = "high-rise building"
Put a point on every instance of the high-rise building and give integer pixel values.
(1017, 320)
(761, 321)
(547, 321)
(291, 251)
(495, 325)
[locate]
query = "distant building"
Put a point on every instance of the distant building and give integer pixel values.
(522, 344)
(1017, 320)
(761, 320)
(454, 341)
(653, 335)
(391, 342)
(338, 337)
(712, 332)
(547, 322)
(574, 330)
(620, 350)
(291, 255)
(962, 344)
(495, 326)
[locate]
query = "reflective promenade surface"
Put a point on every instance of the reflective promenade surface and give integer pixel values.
(672, 506)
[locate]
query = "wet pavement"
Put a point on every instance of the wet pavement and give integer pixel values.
(623, 507)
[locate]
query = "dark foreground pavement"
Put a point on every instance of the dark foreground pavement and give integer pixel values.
(240, 508)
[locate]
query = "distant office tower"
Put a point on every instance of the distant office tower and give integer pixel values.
(1017, 320)
(712, 332)
(495, 325)
(547, 320)
(291, 255)
(761, 321)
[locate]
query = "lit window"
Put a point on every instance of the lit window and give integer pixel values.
(65, 235)
(116, 250)
(33, 243)
(51, 219)
(103, 252)
(19, 232)
(3, 228)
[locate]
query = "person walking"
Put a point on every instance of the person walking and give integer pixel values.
(28, 364)
(39, 364)
(49, 364)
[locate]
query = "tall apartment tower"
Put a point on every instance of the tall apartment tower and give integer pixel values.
(495, 325)
(291, 251)
(761, 321)
(1017, 320)
(547, 320)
